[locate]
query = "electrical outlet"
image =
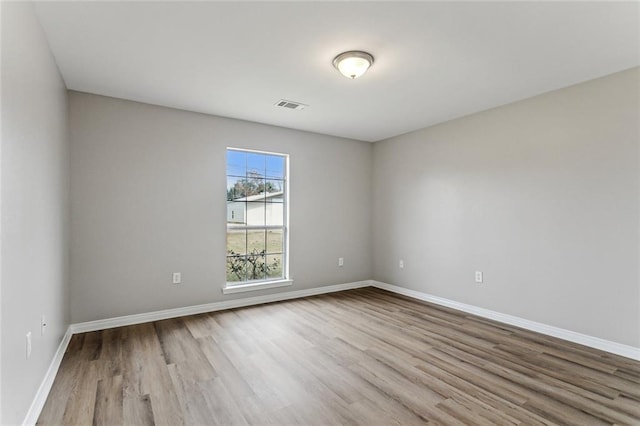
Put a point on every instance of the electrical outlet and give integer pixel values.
(43, 325)
(478, 276)
(341, 261)
(177, 277)
(401, 264)
(28, 345)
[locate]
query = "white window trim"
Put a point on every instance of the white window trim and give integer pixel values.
(253, 286)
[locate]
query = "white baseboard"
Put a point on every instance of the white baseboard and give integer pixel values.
(45, 387)
(43, 391)
(209, 307)
(583, 339)
(47, 382)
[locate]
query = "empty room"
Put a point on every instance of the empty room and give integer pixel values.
(320, 213)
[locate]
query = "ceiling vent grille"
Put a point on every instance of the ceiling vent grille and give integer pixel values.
(290, 104)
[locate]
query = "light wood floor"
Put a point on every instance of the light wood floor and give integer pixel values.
(358, 357)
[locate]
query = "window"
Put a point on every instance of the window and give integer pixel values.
(256, 220)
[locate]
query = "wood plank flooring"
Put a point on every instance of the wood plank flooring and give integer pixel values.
(363, 356)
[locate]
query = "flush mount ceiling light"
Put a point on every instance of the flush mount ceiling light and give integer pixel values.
(353, 64)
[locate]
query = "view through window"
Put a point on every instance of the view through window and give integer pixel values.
(256, 216)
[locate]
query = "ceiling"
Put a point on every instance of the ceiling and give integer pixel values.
(434, 61)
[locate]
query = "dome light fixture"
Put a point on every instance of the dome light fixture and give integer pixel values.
(353, 64)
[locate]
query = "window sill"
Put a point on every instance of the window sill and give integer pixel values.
(229, 289)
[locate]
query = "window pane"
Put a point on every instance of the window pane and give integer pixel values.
(235, 188)
(275, 167)
(243, 189)
(256, 164)
(274, 214)
(275, 189)
(236, 163)
(256, 267)
(236, 213)
(256, 242)
(236, 268)
(257, 189)
(255, 214)
(274, 266)
(274, 241)
(236, 242)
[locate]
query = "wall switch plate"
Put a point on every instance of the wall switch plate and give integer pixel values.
(478, 276)
(401, 264)
(28, 345)
(341, 261)
(43, 325)
(177, 277)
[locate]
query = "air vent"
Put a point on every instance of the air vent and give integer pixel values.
(290, 104)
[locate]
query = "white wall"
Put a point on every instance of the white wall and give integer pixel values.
(149, 198)
(35, 207)
(541, 195)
